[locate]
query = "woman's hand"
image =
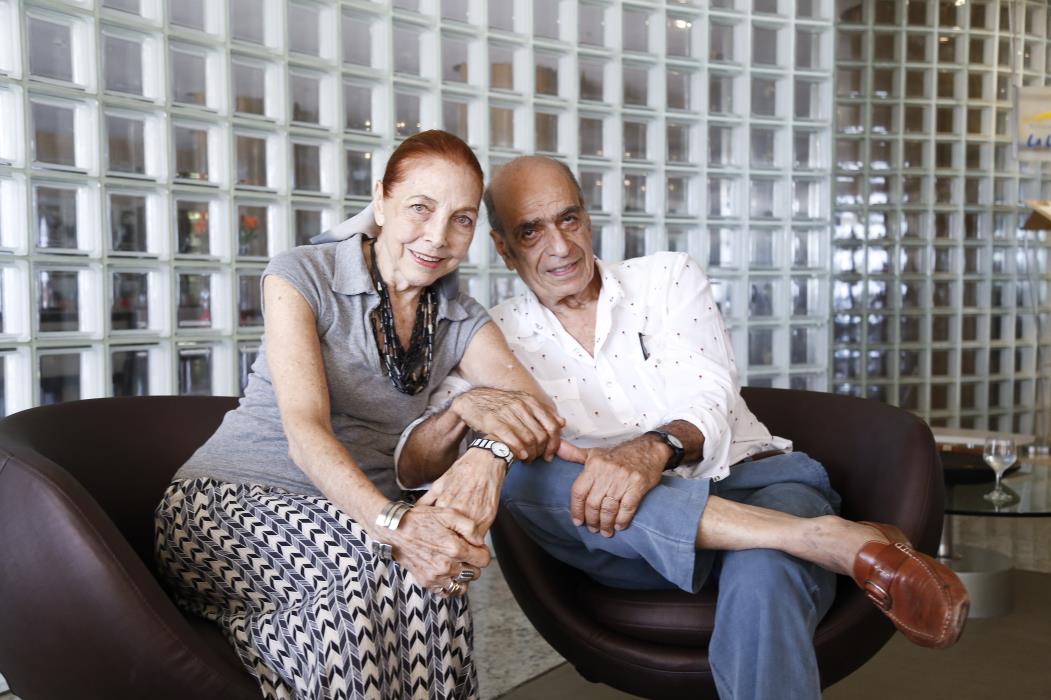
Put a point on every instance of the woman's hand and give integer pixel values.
(515, 418)
(472, 487)
(435, 544)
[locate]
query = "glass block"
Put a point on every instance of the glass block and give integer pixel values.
(501, 15)
(591, 137)
(546, 125)
(678, 36)
(678, 88)
(130, 372)
(406, 51)
(56, 217)
(763, 197)
(806, 248)
(592, 75)
(762, 249)
(246, 20)
(721, 145)
(249, 88)
(764, 96)
(760, 347)
(763, 140)
(306, 167)
(546, 75)
(636, 85)
(634, 242)
(761, 299)
(501, 127)
(306, 97)
(192, 227)
(195, 371)
(455, 9)
(764, 46)
(188, 76)
(359, 173)
(246, 357)
(307, 224)
(406, 114)
(122, 64)
(59, 377)
(721, 247)
(501, 67)
(127, 223)
(846, 364)
(803, 346)
(126, 144)
(131, 6)
(58, 295)
(677, 197)
(545, 18)
(723, 294)
(591, 24)
(187, 13)
(304, 29)
(808, 49)
(849, 81)
(357, 107)
(54, 135)
(720, 94)
(677, 137)
(129, 301)
(249, 301)
(191, 152)
(454, 59)
(721, 196)
(251, 160)
(252, 230)
(808, 199)
(635, 141)
(195, 300)
(50, 48)
(846, 328)
(634, 193)
(809, 103)
(635, 26)
(591, 186)
(806, 297)
(720, 42)
(678, 239)
(455, 118)
(357, 40)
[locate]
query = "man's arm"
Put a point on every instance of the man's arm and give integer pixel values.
(506, 404)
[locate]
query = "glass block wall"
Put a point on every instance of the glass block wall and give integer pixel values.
(849, 185)
(936, 291)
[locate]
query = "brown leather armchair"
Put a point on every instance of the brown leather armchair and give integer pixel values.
(882, 461)
(81, 614)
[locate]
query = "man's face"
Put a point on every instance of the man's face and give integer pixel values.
(547, 233)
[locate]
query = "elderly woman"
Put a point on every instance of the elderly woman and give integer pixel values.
(285, 528)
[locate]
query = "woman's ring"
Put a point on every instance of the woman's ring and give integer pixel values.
(452, 588)
(466, 574)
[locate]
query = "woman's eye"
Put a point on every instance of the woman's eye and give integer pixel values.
(419, 208)
(464, 220)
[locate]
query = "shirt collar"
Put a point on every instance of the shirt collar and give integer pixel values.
(351, 277)
(537, 319)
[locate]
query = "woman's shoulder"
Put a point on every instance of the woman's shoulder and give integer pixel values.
(309, 260)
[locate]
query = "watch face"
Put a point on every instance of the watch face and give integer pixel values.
(674, 441)
(501, 450)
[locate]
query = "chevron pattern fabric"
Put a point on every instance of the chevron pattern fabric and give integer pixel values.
(293, 583)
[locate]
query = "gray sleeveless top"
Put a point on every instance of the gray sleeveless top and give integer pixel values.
(368, 413)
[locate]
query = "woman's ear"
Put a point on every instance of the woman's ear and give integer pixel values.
(377, 203)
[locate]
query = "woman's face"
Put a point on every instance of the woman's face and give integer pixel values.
(427, 221)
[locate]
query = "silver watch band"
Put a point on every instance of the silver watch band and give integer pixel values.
(498, 449)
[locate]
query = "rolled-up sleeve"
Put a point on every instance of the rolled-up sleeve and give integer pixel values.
(695, 360)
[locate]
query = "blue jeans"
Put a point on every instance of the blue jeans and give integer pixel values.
(769, 603)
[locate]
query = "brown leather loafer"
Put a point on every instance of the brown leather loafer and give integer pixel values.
(923, 598)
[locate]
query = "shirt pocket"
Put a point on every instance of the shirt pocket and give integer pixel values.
(565, 392)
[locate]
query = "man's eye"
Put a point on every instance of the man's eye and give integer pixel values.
(569, 219)
(528, 233)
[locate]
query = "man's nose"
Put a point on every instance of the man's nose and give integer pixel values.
(557, 243)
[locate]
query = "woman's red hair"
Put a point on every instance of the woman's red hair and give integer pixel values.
(432, 143)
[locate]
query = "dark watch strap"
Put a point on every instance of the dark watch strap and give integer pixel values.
(677, 451)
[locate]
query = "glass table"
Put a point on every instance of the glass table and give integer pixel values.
(985, 572)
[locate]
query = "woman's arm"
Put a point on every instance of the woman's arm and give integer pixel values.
(506, 404)
(431, 542)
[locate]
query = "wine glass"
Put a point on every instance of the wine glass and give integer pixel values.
(999, 454)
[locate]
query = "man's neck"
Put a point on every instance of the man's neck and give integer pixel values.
(582, 302)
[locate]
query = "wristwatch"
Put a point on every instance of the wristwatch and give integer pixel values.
(677, 451)
(497, 448)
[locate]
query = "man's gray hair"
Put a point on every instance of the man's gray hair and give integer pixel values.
(490, 205)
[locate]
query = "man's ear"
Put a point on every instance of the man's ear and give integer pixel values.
(377, 203)
(502, 249)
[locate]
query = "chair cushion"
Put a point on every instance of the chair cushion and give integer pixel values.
(669, 617)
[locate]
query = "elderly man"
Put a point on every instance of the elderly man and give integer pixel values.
(680, 482)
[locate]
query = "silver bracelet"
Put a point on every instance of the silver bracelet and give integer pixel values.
(392, 513)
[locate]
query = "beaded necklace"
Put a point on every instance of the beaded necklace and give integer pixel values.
(409, 369)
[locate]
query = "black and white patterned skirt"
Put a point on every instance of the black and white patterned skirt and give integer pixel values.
(312, 613)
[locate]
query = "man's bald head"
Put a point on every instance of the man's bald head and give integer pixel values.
(523, 167)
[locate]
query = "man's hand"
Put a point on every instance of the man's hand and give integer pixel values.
(514, 418)
(472, 487)
(609, 489)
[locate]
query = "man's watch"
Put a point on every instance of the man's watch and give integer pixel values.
(677, 450)
(499, 449)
